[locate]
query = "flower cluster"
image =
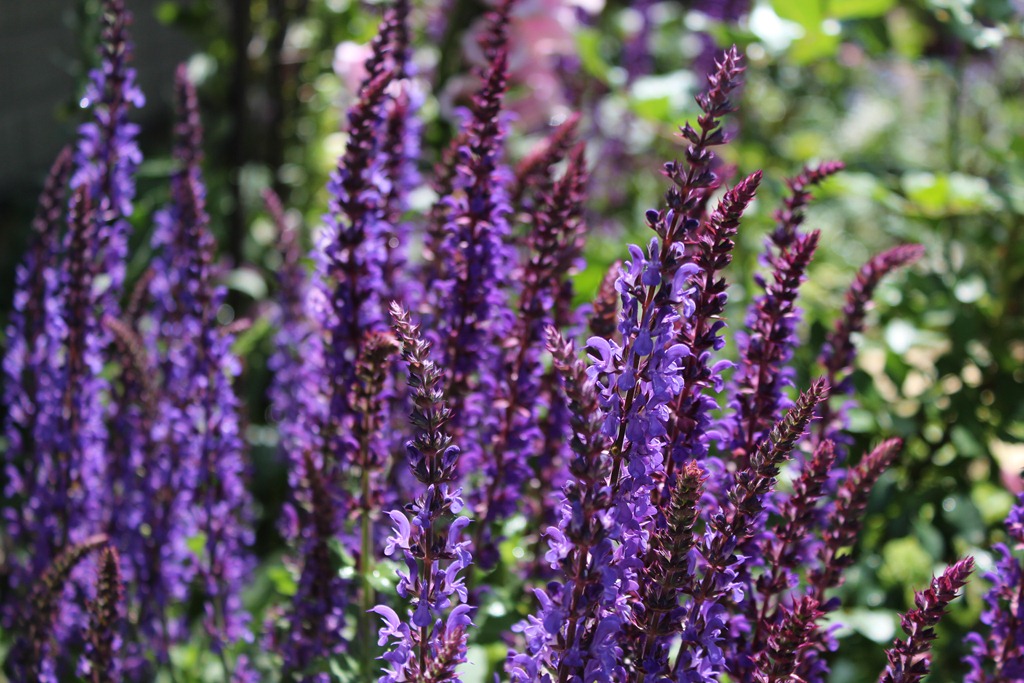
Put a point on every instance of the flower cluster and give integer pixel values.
(677, 513)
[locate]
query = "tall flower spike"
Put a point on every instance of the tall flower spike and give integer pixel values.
(997, 653)
(371, 460)
(533, 175)
(668, 572)
(910, 658)
(701, 657)
(657, 298)
(70, 493)
(350, 259)
(104, 618)
(573, 634)
(221, 503)
(788, 548)
(25, 364)
(402, 129)
(554, 244)
(838, 354)
(690, 418)
(777, 659)
(769, 345)
(29, 660)
(298, 402)
(318, 608)
(107, 154)
(845, 518)
(432, 642)
(470, 299)
(140, 500)
(199, 410)
(790, 216)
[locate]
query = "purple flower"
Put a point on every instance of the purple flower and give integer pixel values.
(298, 402)
(720, 581)
(26, 364)
(997, 653)
(104, 617)
(107, 153)
(427, 535)
(768, 345)
(202, 465)
(554, 246)
(470, 295)
(30, 657)
(574, 632)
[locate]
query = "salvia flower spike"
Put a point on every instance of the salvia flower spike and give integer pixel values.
(29, 659)
(431, 641)
(26, 362)
(910, 658)
(573, 633)
(997, 651)
(838, 354)
(104, 619)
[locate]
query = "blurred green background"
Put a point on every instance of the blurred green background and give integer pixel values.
(921, 99)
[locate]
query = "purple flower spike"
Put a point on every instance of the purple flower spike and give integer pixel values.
(844, 520)
(768, 344)
(470, 297)
(910, 659)
(107, 153)
(838, 353)
(69, 494)
(427, 536)
(573, 634)
(554, 243)
(701, 657)
(26, 367)
(350, 257)
(29, 659)
(788, 637)
(758, 393)
(298, 402)
(997, 653)
(690, 421)
(141, 499)
(533, 175)
(318, 609)
(202, 464)
(668, 573)
(104, 617)
(789, 547)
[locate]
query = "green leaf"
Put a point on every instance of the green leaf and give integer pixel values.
(908, 35)
(284, 582)
(937, 195)
(807, 13)
(858, 9)
(251, 337)
(815, 44)
(197, 544)
(588, 46)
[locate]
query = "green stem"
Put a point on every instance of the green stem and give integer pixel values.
(365, 570)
